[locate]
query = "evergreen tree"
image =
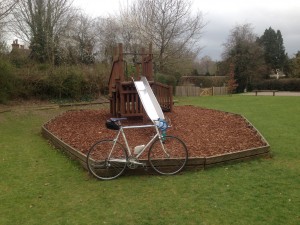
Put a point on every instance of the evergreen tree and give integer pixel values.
(275, 55)
(295, 65)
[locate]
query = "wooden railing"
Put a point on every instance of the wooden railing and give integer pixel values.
(125, 101)
(130, 104)
(164, 95)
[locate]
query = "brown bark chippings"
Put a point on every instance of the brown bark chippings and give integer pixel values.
(206, 132)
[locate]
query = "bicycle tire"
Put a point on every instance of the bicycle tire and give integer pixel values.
(98, 163)
(164, 164)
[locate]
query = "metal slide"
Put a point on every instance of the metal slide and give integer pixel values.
(148, 99)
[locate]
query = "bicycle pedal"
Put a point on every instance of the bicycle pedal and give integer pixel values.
(145, 167)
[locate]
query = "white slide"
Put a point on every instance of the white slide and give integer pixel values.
(148, 99)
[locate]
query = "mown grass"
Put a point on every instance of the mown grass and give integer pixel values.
(40, 185)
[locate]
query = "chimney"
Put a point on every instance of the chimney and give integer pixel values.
(15, 44)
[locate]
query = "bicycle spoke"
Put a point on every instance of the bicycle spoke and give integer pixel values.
(169, 156)
(102, 167)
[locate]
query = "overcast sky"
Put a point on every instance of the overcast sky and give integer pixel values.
(223, 15)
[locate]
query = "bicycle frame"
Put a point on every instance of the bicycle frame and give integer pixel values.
(167, 155)
(121, 131)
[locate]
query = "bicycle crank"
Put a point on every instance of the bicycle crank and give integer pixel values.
(133, 163)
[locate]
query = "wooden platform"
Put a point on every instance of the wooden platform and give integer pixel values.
(124, 99)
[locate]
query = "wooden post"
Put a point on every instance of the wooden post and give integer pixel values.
(121, 63)
(144, 72)
(171, 98)
(150, 64)
(137, 71)
(147, 65)
(115, 64)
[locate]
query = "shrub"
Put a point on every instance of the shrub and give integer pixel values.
(95, 80)
(166, 79)
(19, 57)
(44, 81)
(7, 81)
(288, 84)
(32, 81)
(65, 82)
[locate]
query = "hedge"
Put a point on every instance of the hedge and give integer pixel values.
(46, 82)
(7, 81)
(287, 84)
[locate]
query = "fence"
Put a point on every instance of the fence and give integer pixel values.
(197, 91)
(219, 91)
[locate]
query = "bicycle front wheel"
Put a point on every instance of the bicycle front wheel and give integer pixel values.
(168, 156)
(106, 159)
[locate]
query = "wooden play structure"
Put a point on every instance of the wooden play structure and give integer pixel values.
(124, 99)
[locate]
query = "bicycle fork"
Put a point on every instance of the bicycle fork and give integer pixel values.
(162, 139)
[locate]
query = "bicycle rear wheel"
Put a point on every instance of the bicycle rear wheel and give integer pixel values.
(106, 159)
(168, 156)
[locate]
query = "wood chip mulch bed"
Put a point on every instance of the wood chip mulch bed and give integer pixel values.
(206, 132)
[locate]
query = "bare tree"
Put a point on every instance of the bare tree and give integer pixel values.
(170, 25)
(6, 6)
(81, 39)
(41, 23)
(108, 35)
(207, 66)
(241, 35)
(128, 31)
(247, 56)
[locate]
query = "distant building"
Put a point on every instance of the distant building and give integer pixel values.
(19, 54)
(277, 74)
(21, 48)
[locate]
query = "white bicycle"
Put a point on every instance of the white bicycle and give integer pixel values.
(108, 159)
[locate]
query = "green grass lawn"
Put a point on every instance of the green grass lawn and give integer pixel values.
(40, 185)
